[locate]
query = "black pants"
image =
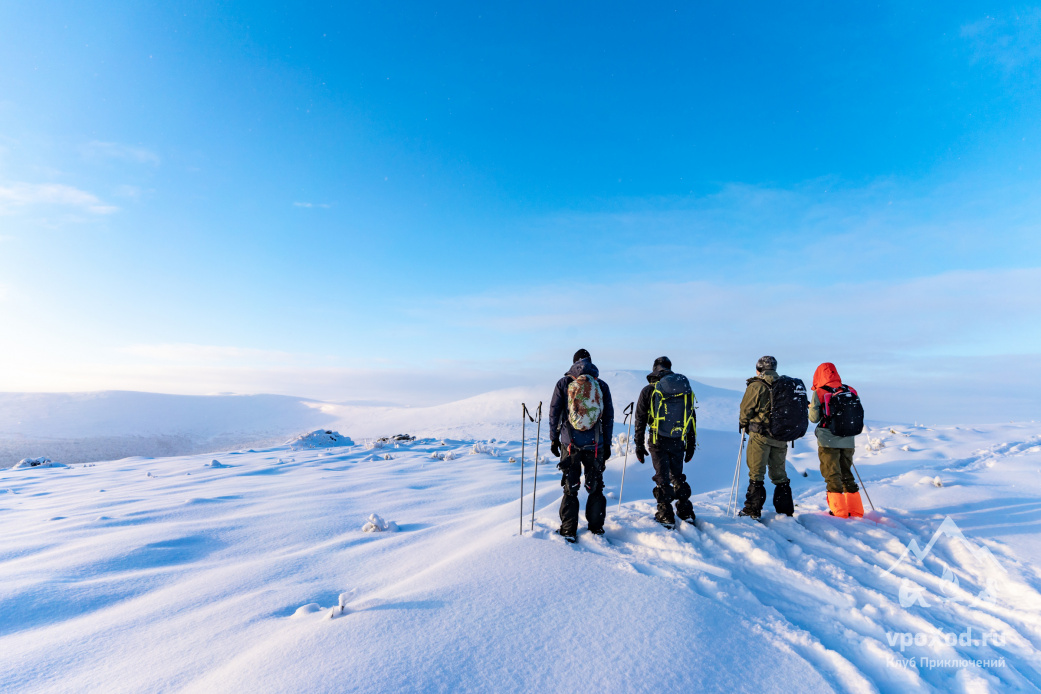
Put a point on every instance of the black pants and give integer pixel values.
(667, 458)
(572, 465)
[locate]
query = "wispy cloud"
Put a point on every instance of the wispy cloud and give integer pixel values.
(312, 204)
(191, 353)
(1011, 40)
(98, 150)
(21, 195)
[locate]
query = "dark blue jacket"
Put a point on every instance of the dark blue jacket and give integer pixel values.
(560, 430)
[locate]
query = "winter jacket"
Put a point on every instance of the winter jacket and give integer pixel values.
(559, 428)
(755, 406)
(643, 406)
(826, 439)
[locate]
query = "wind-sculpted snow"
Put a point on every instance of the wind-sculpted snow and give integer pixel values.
(399, 567)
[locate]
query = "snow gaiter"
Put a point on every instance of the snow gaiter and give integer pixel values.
(681, 493)
(664, 514)
(783, 499)
(754, 499)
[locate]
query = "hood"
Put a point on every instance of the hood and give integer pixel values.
(583, 366)
(826, 375)
(769, 376)
(659, 373)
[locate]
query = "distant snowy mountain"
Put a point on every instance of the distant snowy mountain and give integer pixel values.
(84, 427)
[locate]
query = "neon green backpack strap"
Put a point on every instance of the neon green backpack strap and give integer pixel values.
(688, 416)
(656, 416)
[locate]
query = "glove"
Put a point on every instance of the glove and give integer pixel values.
(554, 447)
(607, 451)
(689, 452)
(641, 453)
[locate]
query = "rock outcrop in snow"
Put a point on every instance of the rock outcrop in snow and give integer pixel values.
(320, 438)
(36, 462)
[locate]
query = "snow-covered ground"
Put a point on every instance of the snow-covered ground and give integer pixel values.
(400, 568)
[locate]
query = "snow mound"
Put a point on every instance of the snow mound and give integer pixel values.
(215, 464)
(36, 462)
(319, 438)
(376, 524)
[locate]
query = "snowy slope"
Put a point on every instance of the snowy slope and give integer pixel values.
(143, 575)
(87, 427)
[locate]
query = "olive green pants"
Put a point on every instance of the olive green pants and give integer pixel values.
(763, 455)
(837, 468)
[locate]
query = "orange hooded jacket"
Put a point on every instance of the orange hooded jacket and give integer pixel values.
(825, 375)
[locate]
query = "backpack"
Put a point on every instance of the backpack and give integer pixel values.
(843, 411)
(585, 403)
(789, 409)
(672, 408)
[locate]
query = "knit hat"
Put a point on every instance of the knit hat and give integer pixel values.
(663, 362)
(580, 354)
(766, 364)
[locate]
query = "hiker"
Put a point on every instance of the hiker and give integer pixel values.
(669, 401)
(837, 409)
(581, 422)
(773, 412)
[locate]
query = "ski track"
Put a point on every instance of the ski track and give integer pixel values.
(816, 583)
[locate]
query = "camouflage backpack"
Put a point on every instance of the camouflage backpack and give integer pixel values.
(585, 403)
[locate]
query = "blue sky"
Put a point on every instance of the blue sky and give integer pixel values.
(309, 199)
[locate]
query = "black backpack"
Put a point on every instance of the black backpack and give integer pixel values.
(672, 408)
(789, 409)
(843, 411)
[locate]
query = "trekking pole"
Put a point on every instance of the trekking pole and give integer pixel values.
(628, 411)
(524, 413)
(862, 485)
(737, 475)
(538, 432)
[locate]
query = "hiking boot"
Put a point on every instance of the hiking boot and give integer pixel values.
(567, 536)
(597, 531)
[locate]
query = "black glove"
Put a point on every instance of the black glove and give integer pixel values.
(641, 453)
(688, 453)
(741, 428)
(554, 447)
(607, 451)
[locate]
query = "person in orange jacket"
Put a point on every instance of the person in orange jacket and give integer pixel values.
(835, 451)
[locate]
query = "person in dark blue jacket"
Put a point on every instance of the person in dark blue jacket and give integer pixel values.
(581, 450)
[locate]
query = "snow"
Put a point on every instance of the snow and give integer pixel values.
(36, 462)
(258, 573)
(321, 438)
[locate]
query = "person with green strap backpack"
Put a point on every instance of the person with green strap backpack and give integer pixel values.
(665, 417)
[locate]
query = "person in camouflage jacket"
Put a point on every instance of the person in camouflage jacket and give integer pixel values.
(584, 451)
